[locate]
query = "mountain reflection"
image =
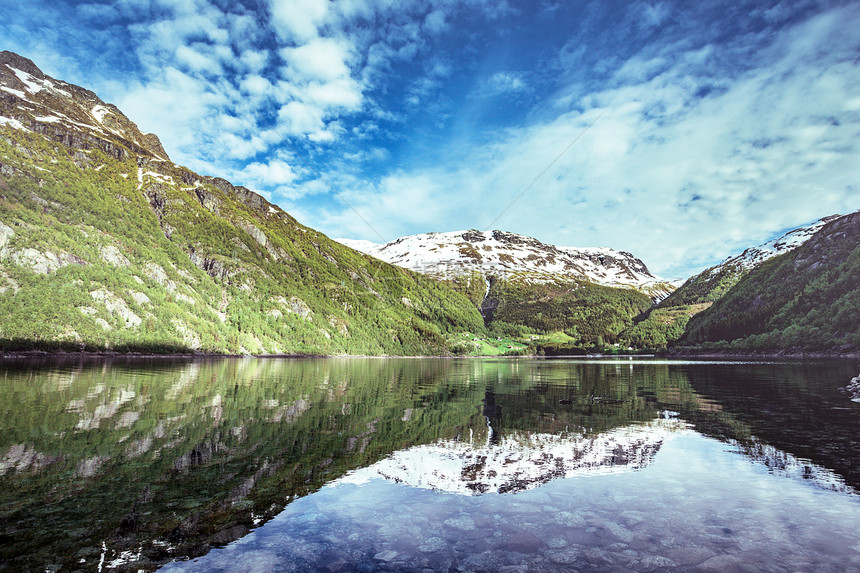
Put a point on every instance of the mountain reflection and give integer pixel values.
(130, 464)
(520, 461)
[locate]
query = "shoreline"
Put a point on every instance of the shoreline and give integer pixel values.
(788, 354)
(793, 355)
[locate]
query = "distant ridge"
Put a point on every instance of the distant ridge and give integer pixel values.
(714, 282)
(501, 254)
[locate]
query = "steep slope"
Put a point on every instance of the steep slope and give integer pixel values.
(105, 243)
(590, 314)
(713, 283)
(808, 298)
(663, 325)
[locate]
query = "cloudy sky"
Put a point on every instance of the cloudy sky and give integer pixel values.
(680, 131)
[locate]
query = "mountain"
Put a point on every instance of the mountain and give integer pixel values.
(519, 282)
(714, 282)
(106, 243)
(666, 323)
(807, 298)
(507, 255)
(521, 461)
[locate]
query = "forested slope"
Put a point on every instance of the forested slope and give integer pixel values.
(808, 298)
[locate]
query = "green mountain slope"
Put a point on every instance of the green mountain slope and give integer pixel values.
(714, 282)
(808, 298)
(105, 243)
(587, 312)
(664, 324)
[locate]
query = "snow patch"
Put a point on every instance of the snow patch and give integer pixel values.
(14, 123)
(755, 256)
(360, 245)
(15, 93)
(99, 112)
(29, 81)
(35, 85)
(158, 176)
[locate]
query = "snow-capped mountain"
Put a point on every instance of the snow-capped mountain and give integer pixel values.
(754, 256)
(714, 282)
(502, 254)
(521, 461)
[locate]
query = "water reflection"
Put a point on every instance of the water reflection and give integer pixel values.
(520, 460)
(126, 465)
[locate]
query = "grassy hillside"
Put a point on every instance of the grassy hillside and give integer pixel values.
(707, 286)
(102, 247)
(588, 313)
(660, 327)
(808, 298)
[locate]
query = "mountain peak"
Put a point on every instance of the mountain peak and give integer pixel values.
(31, 100)
(19, 62)
(754, 256)
(497, 253)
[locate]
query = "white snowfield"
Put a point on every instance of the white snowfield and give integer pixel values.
(502, 254)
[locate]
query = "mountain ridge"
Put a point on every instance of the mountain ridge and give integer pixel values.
(506, 255)
(105, 243)
(805, 298)
(714, 281)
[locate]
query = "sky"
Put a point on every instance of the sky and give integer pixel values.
(682, 132)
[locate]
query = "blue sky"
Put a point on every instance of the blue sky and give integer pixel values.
(682, 132)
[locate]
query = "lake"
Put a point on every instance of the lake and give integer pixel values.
(400, 464)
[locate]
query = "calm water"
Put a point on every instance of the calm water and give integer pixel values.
(521, 465)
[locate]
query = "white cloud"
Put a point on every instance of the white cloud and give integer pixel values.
(275, 173)
(705, 145)
(299, 118)
(299, 20)
(323, 59)
(256, 85)
(505, 82)
(197, 61)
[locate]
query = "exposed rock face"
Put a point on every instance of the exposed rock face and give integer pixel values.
(39, 262)
(245, 195)
(116, 306)
(208, 200)
(113, 256)
(66, 113)
(853, 388)
(6, 233)
(20, 62)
